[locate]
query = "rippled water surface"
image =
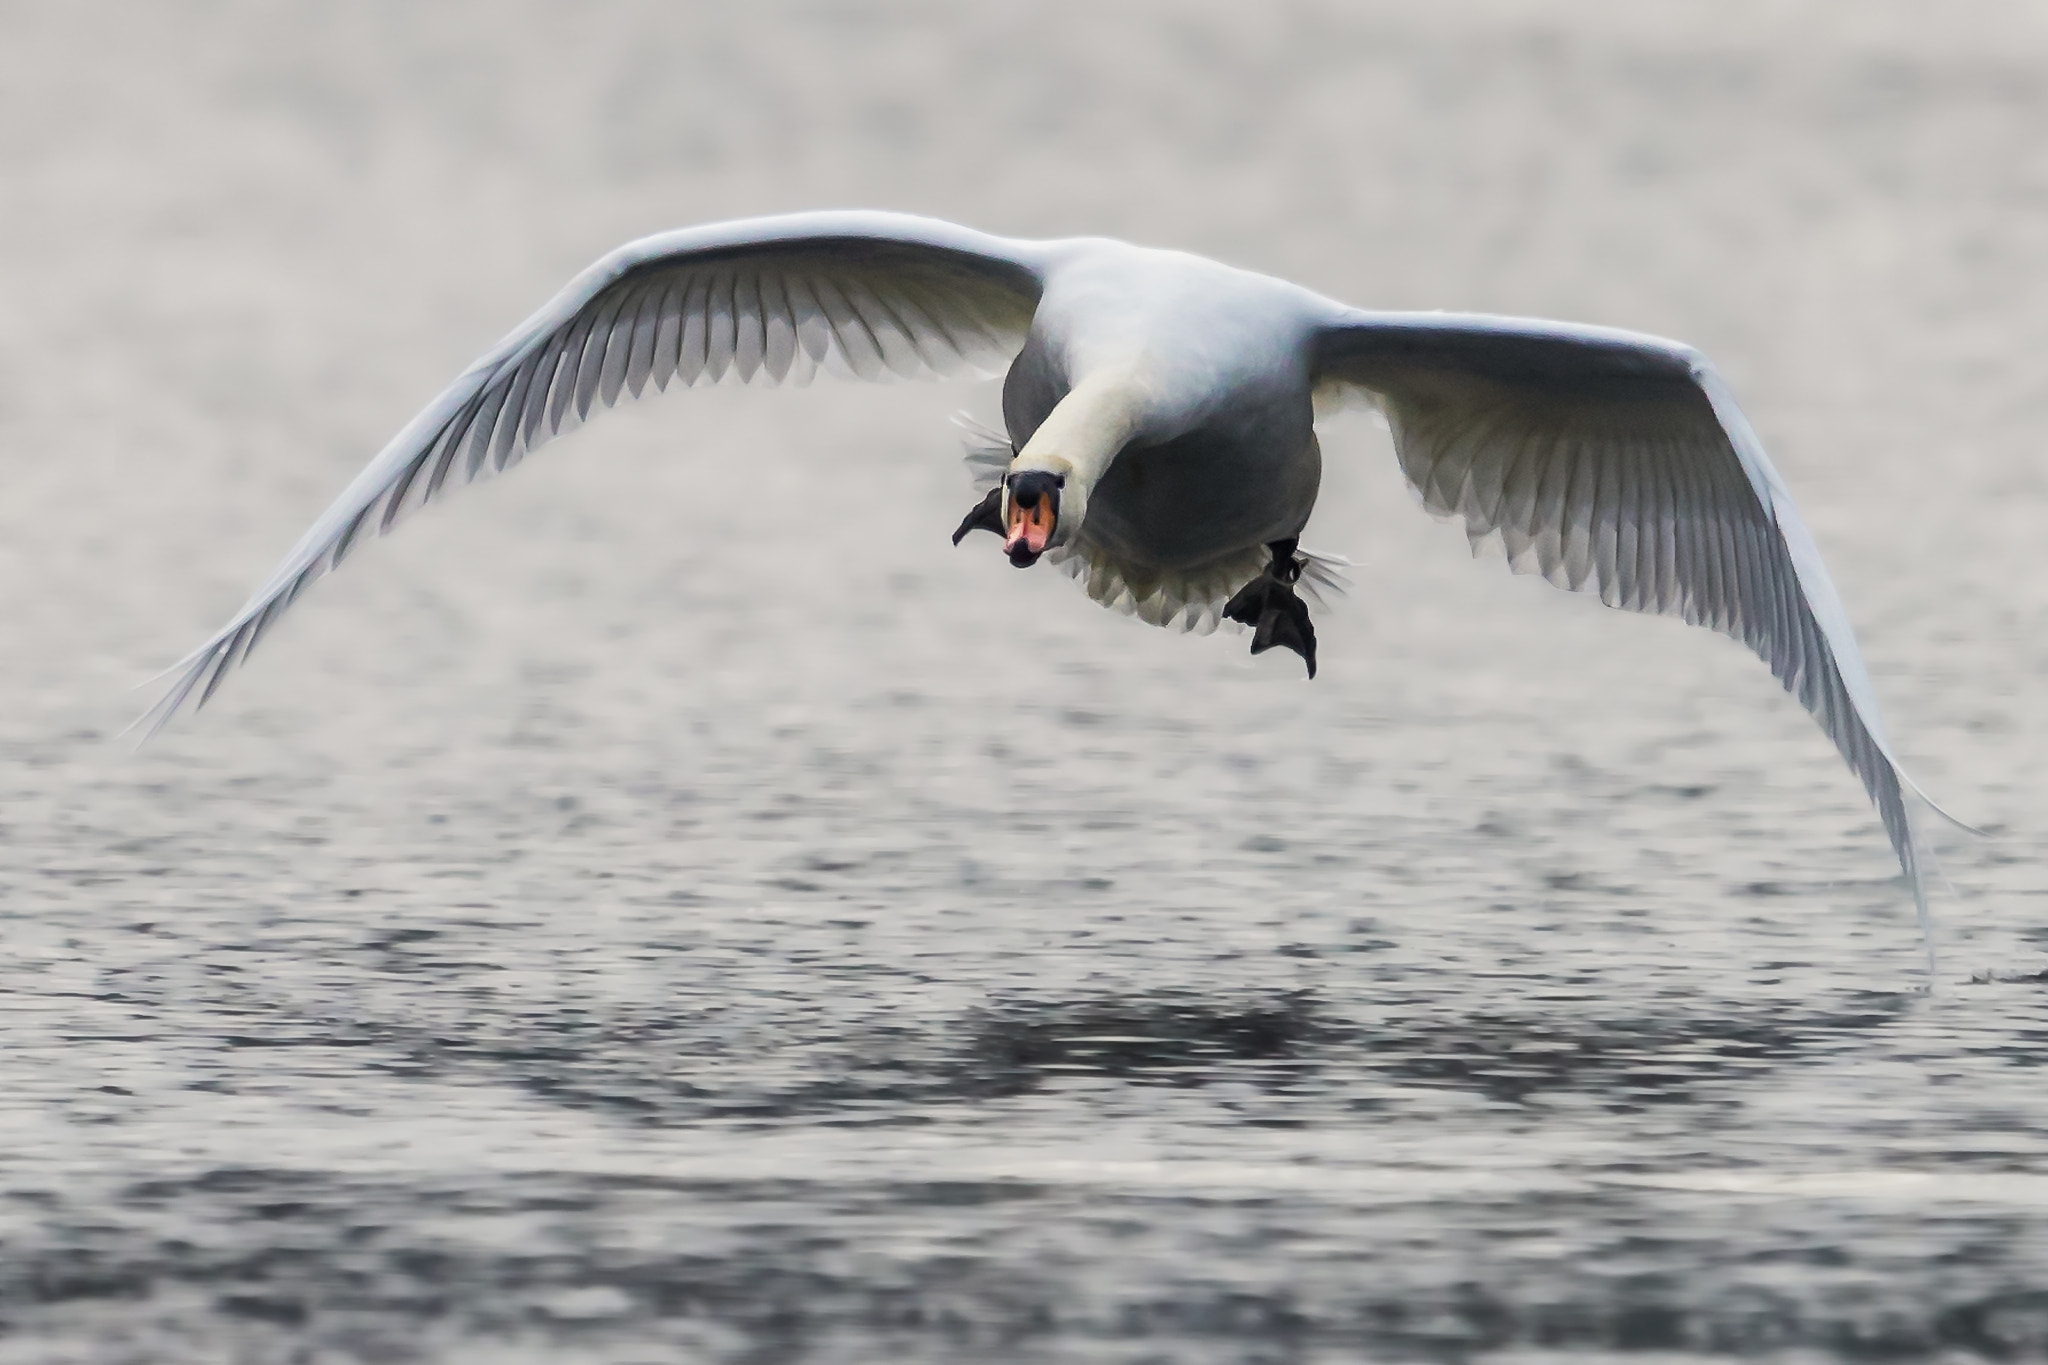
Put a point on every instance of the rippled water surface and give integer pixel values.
(670, 905)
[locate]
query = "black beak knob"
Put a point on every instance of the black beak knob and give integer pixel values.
(1028, 488)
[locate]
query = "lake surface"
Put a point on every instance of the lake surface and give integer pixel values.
(638, 914)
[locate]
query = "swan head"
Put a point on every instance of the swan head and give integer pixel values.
(1032, 523)
(1045, 492)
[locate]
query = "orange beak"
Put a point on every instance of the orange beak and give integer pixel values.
(1030, 530)
(1031, 514)
(1030, 527)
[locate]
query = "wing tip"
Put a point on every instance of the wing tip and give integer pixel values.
(165, 708)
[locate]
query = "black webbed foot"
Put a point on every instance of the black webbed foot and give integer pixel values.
(1269, 605)
(986, 516)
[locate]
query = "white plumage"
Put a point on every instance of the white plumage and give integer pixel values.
(1173, 396)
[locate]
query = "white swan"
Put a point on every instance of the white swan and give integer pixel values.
(1161, 437)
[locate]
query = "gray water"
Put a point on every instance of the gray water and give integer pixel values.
(641, 914)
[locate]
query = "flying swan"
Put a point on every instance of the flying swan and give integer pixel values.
(1161, 441)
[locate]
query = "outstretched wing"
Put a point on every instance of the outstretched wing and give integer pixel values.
(1619, 464)
(870, 295)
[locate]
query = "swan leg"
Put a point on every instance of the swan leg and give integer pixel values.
(986, 516)
(1270, 606)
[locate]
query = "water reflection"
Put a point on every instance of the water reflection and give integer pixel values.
(1171, 1038)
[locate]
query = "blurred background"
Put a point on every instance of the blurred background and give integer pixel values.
(631, 916)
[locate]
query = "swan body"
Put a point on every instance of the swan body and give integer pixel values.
(1192, 377)
(1160, 443)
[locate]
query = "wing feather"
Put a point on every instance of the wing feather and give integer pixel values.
(562, 387)
(1604, 528)
(948, 343)
(596, 342)
(646, 323)
(696, 343)
(1674, 548)
(778, 331)
(718, 341)
(873, 295)
(1703, 570)
(508, 424)
(813, 328)
(748, 344)
(1551, 512)
(484, 428)
(1691, 511)
(544, 366)
(895, 340)
(1638, 522)
(613, 347)
(856, 342)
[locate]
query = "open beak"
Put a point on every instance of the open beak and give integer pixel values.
(1032, 516)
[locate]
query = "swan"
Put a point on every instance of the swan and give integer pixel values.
(1161, 446)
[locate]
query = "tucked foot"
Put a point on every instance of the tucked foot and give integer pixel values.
(1270, 606)
(986, 516)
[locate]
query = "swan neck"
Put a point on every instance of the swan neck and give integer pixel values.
(1086, 429)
